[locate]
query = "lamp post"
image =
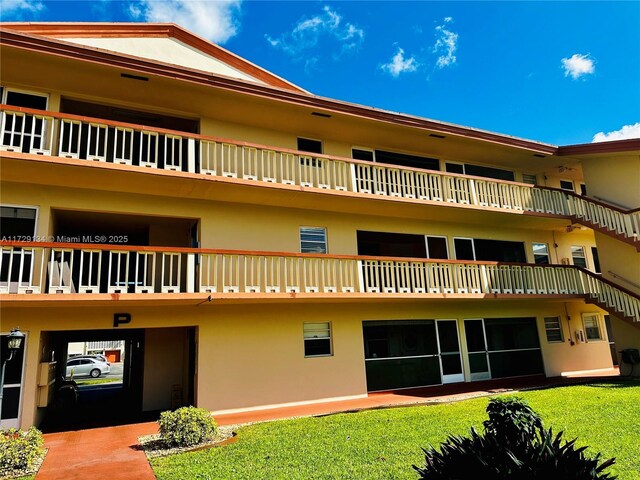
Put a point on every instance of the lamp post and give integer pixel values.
(13, 345)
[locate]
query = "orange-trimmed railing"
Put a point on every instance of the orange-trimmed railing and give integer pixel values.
(61, 268)
(72, 136)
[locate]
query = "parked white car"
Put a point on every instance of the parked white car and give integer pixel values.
(82, 367)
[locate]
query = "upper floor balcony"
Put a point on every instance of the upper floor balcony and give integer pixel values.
(72, 138)
(53, 272)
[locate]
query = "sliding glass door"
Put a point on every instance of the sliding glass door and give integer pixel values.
(449, 348)
(477, 350)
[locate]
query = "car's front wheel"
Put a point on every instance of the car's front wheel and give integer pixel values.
(95, 373)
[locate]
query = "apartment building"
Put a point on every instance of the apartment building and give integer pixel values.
(254, 245)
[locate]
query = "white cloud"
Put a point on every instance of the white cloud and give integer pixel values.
(308, 32)
(578, 65)
(627, 131)
(16, 9)
(446, 44)
(215, 20)
(399, 64)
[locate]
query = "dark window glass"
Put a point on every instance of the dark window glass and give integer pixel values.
(454, 167)
(399, 338)
(488, 172)
(583, 189)
(464, 249)
(402, 373)
(26, 100)
(475, 336)
(391, 244)
(15, 221)
(437, 247)
(366, 155)
(596, 260)
(406, 160)
(314, 347)
(13, 369)
(307, 145)
(499, 251)
(566, 185)
(448, 336)
(11, 402)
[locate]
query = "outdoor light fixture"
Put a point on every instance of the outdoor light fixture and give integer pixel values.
(14, 343)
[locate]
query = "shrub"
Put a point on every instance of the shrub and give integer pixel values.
(514, 446)
(187, 426)
(19, 450)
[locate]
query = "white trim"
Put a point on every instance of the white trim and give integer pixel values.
(364, 149)
(290, 404)
(446, 244)
(32, 207)
(598, 324)
(27, 92)
(573, 187)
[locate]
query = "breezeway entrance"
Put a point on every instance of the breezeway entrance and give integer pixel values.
(156, 373)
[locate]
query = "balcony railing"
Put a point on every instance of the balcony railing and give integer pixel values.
(58, 269)
(95, 140)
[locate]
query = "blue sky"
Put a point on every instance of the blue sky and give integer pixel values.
(558, 72)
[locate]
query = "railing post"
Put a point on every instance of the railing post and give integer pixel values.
(191, 155)
(354, 180)
(361, 285)
(191, 271)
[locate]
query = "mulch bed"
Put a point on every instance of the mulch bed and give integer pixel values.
(154, 447)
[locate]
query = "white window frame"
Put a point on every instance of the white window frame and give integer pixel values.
(444, 170)
(30, 207)
(539, 254)
(329, 329)
(326, 238)
(473, 247)
(28, 92)
(546, 330)
(573, 185)
(364, 149)
(446, 242)
(584, 255)
(596, 318)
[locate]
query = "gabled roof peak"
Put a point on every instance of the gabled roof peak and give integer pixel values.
(121, 30)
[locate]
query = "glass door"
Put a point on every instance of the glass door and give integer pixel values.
(13, 383)
(477, 350)
(449, 348)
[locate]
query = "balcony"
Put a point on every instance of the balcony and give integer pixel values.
(113, 272)
(65, 136)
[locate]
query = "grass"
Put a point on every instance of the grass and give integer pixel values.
(383, 444)
(97, 381)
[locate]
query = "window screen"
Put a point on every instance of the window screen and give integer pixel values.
(317, 339)
(553, 329)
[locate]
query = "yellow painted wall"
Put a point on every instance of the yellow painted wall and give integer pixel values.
(615, 179)
(252, 355)
(164, 366)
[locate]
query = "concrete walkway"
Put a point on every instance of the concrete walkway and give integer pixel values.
(112, 453)
(109, 453)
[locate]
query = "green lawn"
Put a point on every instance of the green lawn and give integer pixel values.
(383, 444)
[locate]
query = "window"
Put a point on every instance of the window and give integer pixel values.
(583, 189)
(553, 327)
(489, 250)
(437, 247)
(18, 222)
(395, 158)
(317, 339)
(591, 326)
(313, 240)
(479, 171)
(25, 99)
(567, 185)
(530, 178)
(596, 260)
(308, 145)
(578, 256)
(541, 254)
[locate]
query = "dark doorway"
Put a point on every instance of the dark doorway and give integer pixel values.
(489, 250)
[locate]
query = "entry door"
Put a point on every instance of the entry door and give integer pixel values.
(13, 383)
(449, 348)
(477, 350)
